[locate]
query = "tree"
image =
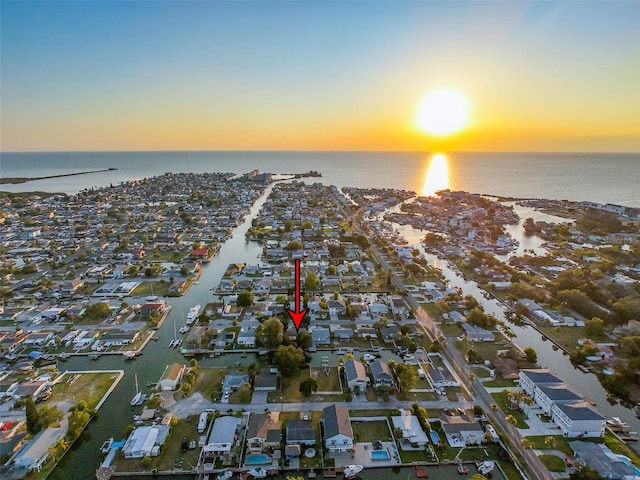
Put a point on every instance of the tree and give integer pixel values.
(270, 333)
(594, 327)
(532, 356)
(407, 376)
(308, 386)
(32, 415)
(245, 299)
(511, 419)
(288, 359)
(550, 442)
(311, 282)
(304, 340)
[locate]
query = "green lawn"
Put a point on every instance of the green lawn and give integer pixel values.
(327, 377)
(567, 337)
(553, 463)
(89, 387)
(537, 442)
(290, 388)
(209, 382)
(371, 431)
(518, 415)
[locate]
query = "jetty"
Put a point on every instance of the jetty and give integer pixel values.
(30, 179)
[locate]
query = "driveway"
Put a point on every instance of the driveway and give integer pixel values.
(259, 397)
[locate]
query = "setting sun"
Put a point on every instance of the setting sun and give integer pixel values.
(443, 112)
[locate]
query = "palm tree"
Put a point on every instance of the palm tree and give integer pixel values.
(550, 442)
(511, 419)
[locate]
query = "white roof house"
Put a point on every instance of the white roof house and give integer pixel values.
(36, 452)
(223, 436)
(412, 433)
(142, 440)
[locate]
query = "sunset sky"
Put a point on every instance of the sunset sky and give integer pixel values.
(297, 75)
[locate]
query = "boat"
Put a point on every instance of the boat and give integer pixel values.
(258, 472)
(193, 314)
(129, 355)
(225, 475)
(94, 356)
(184, 329)
(616, 425)
(152, 297)
(485, 467)
(352, 470)
(138, 396)
(106, 446)
(462, 469)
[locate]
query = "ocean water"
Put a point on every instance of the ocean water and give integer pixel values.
(599, 177)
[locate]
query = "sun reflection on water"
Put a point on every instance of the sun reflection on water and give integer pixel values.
(437, 176)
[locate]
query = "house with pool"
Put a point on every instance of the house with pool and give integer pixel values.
(263, 433)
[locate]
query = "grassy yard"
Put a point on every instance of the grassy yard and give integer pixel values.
(371, 431)
(410, 456)
(327, 377)
(290, 388)
(159, 288)
(553, 463)
(373, 413)
(518, 415)
(499, 382)
(89, 387)
(480, 372)
(565, 336)
(537, 442)
(209, 382)
(241, 396)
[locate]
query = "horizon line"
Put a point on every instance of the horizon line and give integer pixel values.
(326, 151)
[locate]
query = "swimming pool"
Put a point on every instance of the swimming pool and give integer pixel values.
(259, 459)
(626, 460)
(435, 438)
(379, 455)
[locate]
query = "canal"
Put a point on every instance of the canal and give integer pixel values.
(525, 335)
(84, 456)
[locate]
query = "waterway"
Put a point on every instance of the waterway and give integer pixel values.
(527, 336)
(84, 457)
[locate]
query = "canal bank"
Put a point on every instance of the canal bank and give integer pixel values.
(83, 458)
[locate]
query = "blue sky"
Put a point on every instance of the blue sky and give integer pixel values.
(325, 75)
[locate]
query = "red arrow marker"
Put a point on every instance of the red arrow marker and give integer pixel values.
(298, 314)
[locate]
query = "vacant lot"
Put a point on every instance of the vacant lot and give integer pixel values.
(371, 431)
(327, 377)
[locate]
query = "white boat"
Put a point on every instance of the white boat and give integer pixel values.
(352, 471)
(129, 355)
(184, 329)
(193, 314)
(485, 467)
(258, 472)
(106, 446)
(138, 396)
(225, 475)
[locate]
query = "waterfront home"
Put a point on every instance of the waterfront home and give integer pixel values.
(477, 334)
(33, 455)
(461, 430)
(546, 396)
(531, 378)
(145, 441)
(413, 436)
(321, 336)
(602, 459)
(263, 432)
(246, 339)
(397, 305)
(172, 376)
(222, 437)
(578, 420)
(300, 432)
(338, 433)
(266, 380)
(30, 388)
(356, 375)
(381, 374)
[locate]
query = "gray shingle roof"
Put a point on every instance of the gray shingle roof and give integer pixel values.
(336, 421)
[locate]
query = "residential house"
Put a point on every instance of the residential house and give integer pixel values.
(338, 433)
(600, 458)
(477, 334)
(546, 396)
(35, 453)
(172, 376)
(30, 388)
(300, 432)
(413, 436)
(461, 430)
(398, 306)
(222, 437)
(381, 374)
(530, 378)
(578, 420)
(321, 336)
(356, 375)
(145, 441)
(262, 432)
(266, 380)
